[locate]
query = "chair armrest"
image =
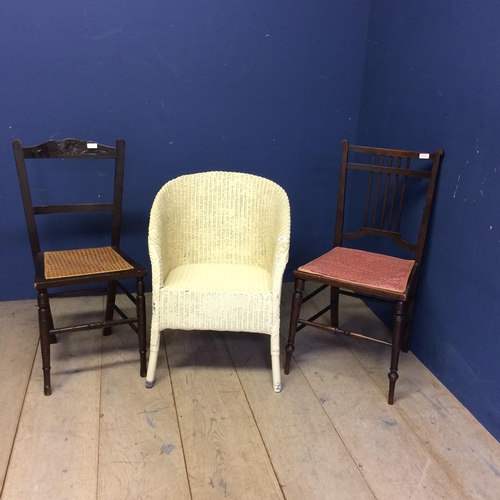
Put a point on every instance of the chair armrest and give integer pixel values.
(160, 223)
(281, 241)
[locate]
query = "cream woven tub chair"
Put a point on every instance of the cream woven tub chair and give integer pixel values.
(218, 243)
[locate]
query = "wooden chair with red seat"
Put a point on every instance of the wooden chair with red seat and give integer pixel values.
(80, 267)
(394, 181)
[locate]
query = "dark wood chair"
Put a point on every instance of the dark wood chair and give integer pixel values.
(395, 182)
(75, 271)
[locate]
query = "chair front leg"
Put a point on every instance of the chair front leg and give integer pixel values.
(110, 306)
(44, 322)
(275, 356)
(275, 365)
(298, 295)
(397, 334)
(141, 324)
(154, 346)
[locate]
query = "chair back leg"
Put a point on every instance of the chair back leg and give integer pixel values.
(141, 324)
(334, 306)
(294, 316)
(110, 305)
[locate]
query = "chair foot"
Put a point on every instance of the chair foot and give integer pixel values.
(153, 358)
(275, 365)
(289, 351)
(393, 376)
(47, 389)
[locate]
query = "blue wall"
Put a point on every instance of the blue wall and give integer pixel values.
(432, 80)
(269, 88)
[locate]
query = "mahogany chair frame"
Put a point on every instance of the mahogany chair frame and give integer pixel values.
(389, 171)
(70, 149)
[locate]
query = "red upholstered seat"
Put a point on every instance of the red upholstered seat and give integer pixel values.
(362, 268)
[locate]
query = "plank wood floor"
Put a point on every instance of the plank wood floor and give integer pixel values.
(212, 427)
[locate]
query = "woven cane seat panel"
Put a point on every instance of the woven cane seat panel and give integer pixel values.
(363, 268)
(83, 262)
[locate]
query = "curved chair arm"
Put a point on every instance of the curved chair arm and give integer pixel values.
(160, 220)
(282, 243)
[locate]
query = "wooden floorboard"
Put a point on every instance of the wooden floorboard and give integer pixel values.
(55, 452)
(212, 426)
(297, 432)
(139, 445)
(18, 345)
(391, 458)
(377, 437)
(225, 455)
(468, 454)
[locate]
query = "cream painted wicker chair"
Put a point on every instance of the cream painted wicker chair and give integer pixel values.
(218, 243)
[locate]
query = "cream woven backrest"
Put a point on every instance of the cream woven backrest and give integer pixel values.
(219, 217)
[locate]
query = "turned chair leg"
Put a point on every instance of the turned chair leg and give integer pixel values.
(298, 295)
(110, 306)
(44, 322)
(397, 333)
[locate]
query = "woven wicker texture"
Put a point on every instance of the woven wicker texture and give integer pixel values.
(218, 243)
(360, 267)
(83, 262)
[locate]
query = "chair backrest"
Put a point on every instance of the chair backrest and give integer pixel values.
(221, 217)
(391, 180)
(70, 149)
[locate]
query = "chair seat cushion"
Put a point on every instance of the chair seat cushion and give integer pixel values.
(219, 277)
(358, 267)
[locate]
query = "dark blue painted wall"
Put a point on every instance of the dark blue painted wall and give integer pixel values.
(269, 88)
(432, 80)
